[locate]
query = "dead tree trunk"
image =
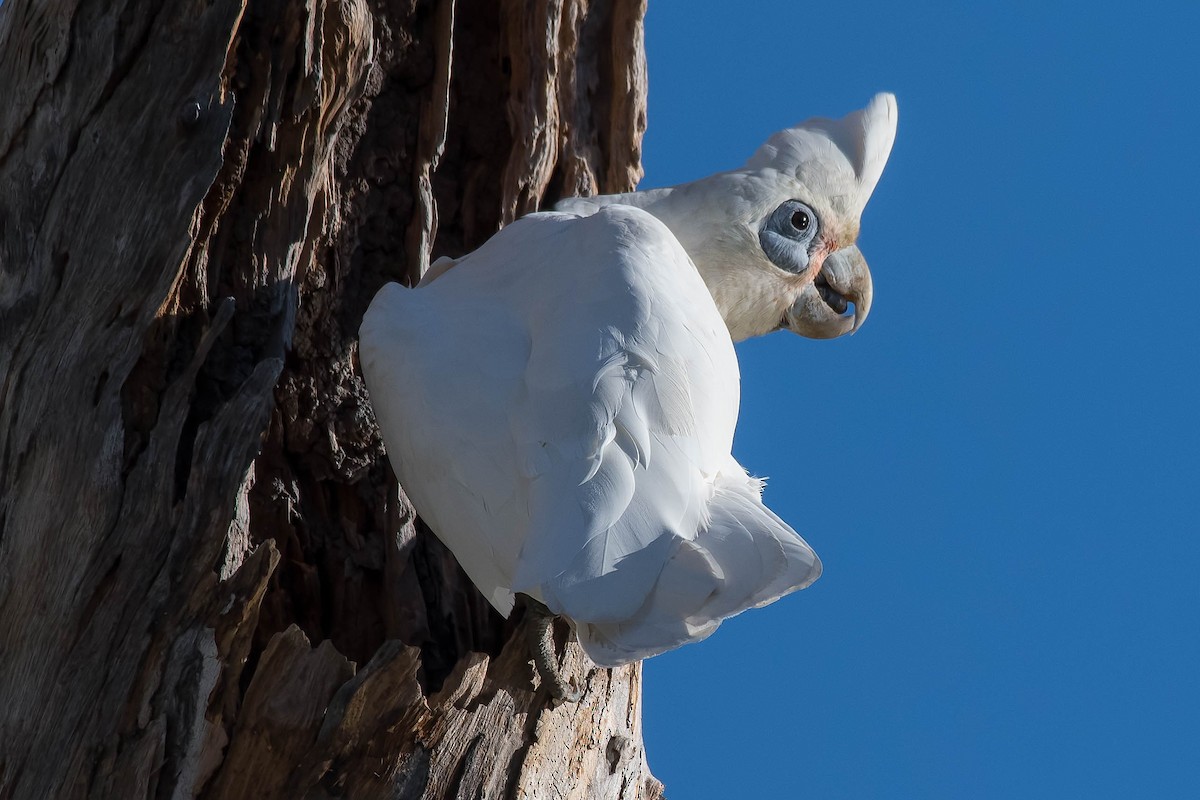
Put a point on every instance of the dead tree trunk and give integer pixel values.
(210, 583)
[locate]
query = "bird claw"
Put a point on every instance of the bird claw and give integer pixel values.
(545, 659)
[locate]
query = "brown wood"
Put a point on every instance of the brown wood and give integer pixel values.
(210, 583)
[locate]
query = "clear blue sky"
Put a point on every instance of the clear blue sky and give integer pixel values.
(1001, 470)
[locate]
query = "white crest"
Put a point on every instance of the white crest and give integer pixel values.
(851, 150)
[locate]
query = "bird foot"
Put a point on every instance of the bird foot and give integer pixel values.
(545, 659)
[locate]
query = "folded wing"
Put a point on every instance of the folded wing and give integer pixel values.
(560, 407)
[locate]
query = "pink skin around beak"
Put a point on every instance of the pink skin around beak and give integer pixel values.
(820, 312)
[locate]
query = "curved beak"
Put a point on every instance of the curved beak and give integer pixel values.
(822, 310)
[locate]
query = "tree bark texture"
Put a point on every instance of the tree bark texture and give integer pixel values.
(211, 584)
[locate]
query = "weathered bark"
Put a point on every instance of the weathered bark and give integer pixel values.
(197, 201)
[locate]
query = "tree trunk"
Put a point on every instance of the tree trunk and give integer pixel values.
(197, 202)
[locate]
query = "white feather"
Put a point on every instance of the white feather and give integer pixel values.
(848, 152)
(560, 404)
(560, 407)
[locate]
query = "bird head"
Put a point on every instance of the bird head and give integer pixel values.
(774, 240)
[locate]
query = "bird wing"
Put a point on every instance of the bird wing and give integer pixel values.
(633, 395)
(560, 406)
(554, 404)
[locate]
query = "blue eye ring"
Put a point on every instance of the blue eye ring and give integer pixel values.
(795, 220)
(787, 235)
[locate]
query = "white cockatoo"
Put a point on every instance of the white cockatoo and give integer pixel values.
(560, 404)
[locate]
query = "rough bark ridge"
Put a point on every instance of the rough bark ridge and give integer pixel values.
(197, 201)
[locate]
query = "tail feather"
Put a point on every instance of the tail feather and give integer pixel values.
(744, 557)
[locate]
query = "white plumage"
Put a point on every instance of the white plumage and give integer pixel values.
(560, 404)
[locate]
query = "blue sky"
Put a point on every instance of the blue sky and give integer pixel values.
(1001, 470)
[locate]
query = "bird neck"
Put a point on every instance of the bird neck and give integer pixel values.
(748, 297)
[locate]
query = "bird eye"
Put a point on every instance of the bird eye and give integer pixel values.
(788, 235)
(794, 220)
